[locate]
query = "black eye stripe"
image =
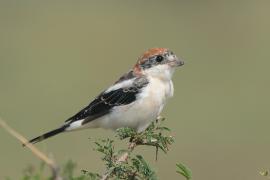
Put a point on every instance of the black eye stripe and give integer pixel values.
(153, 60)
(147, 64)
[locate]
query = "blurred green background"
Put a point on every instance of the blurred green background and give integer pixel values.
(55, 56)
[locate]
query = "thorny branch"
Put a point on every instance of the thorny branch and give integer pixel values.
(54, 168)
(153, 136)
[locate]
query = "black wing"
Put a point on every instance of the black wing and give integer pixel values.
(107, 100)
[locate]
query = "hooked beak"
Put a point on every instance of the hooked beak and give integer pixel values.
(177, 62)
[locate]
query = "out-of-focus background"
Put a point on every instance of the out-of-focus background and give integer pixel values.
(55, 56)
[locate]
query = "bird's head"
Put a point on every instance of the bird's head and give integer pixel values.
(158, 62)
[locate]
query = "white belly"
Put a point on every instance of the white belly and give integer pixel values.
(142, 112)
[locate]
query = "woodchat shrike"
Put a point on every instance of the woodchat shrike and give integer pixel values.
(134, 100)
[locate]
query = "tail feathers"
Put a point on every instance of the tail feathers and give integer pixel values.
(47, 135)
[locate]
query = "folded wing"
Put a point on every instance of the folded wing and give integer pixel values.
(103, 104)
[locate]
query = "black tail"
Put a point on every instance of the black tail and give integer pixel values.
(47, 135)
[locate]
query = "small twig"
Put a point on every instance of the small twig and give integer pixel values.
(151, 137)
(125, 155)
(156, 153)
(120, 159)
(54, 168)
(105, 175)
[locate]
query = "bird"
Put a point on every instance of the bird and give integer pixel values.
(134, 100)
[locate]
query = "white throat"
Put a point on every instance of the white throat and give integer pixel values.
(162, 72)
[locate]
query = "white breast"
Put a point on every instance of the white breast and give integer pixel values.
(143, 111)
(158, 91)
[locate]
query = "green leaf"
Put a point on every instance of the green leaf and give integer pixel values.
(123, 133)
(184, 171)
(143, 168)
(264, 173)
(163, 128)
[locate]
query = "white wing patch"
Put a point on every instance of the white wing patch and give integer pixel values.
(75, 125)
(121, 84)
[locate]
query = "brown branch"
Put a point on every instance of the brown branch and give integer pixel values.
(123, 158)
(54, 168)
(120, 159)
(140, 139)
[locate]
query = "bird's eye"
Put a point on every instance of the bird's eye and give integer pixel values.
(159, 58)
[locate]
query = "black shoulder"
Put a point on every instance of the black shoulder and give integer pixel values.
(107, 100)
(126, 76)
